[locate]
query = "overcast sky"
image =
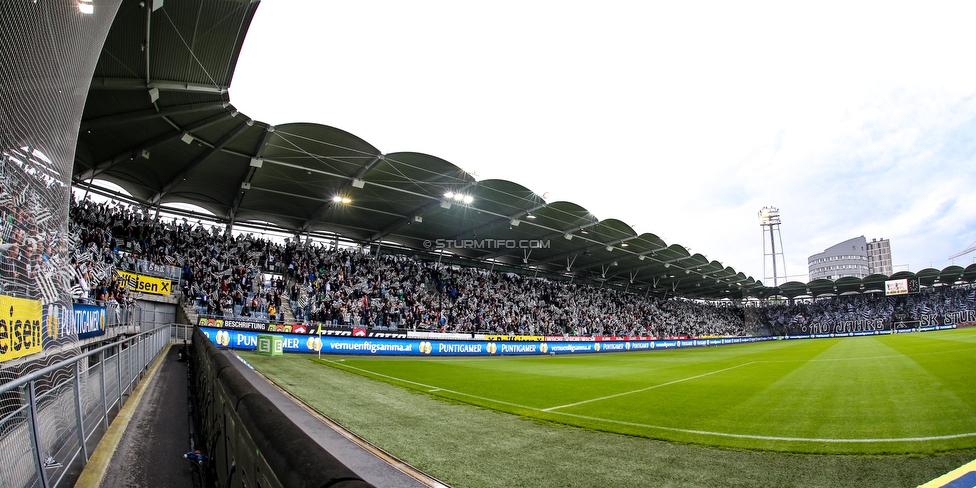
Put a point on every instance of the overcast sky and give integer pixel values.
(682, 119)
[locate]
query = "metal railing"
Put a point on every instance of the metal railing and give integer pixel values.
(52, 419)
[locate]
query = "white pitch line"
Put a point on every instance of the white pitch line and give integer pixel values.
(675, 429)
(775, 438)
(433, 388)
(645, 389)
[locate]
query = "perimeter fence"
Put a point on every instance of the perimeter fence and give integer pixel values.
(51, 419)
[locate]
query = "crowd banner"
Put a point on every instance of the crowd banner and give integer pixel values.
(21, 330)
(246, 325)
(144, 284)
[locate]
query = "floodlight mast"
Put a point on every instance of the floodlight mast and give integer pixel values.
(769, 221)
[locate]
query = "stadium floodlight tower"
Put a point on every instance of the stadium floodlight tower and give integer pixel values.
(769, 221)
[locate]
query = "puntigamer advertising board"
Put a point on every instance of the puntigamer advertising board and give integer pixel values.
(395, 345)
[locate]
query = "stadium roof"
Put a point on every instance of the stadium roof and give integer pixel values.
(158, 122)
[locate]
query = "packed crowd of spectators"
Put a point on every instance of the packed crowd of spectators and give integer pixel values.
(349, 287)
(805, 316)
(252, 278)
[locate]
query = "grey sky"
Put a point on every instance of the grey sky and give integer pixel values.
(681, 120)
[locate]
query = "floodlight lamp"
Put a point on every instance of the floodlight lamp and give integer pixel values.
(346, 200)
(458, 197)
(530, 216)
(624, 244)
(449, 194)
(641, 257)
(468, 199)
(568, 237)
(609, 248)
(86, 7)
(337, 199)
(514, 222)
(153, 94)
(187, 138)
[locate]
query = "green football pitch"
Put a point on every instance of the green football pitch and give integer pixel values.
(880, 398)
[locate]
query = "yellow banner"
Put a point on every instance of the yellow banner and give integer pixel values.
(20, 327)
(519, 338)
(144, 284)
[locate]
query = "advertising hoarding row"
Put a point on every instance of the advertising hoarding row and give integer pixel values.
(349, 344)
(27, 326)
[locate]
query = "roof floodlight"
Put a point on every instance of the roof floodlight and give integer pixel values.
(449, 194)
(458, 197)
(86, 7)
(468, 199)
(568, 236)
(153, 94)
(515, 222)
(446, 204)
(187, 138)
(641, 257)
(358, 182)
(257, 162)
(337, 199)
(530, 216)
(609, 248)
(346, 200)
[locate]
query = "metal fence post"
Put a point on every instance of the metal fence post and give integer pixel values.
(36, 434)
(101, 361)
(79, 417)
(118, 364)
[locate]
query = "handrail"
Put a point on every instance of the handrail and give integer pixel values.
(67, 362)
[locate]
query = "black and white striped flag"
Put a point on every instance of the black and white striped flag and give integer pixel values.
(49, 293)
(41, 215)
(77, 292)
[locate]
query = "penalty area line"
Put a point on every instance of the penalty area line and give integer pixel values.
(615, 395)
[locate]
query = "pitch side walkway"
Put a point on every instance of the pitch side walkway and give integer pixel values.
(147, 440)
(373, 466)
